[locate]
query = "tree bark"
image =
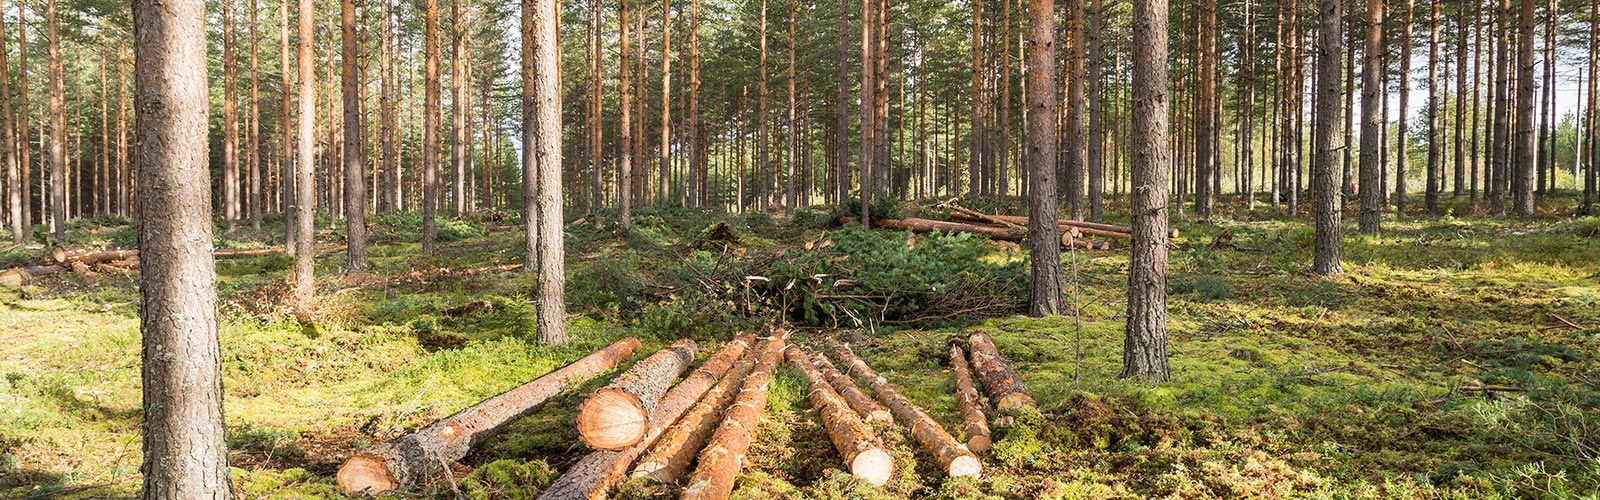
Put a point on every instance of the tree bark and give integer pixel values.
(185, 455)
(664, 169)
(541, 165)
(402, 461)
(15, 184)
(287, 172)
(1590, 186)
(460, 144)
(1072, 139)
(952, 456)
(1435, 173)
(1402, 146)
(973, 422)
(859, 401)
(723, 456)
(253, 136)
(1145, 344)
(1044, 242)
(669, 457)
(430, 130)
(305, 187)
(355, 186)
(1371, 162)
(1523, 173)
(1325, 171)
(618, 415)
(58, 126)
(1006, 390)
(1096, 154)
(230, 124)
(852, 438)
(24, 133)
(1205, 111)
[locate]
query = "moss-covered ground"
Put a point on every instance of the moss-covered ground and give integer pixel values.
(1368, 385)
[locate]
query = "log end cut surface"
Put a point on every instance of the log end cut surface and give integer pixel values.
(979, 444)
(367, 474)
(873, 466)
(612, 419)
(965, 466)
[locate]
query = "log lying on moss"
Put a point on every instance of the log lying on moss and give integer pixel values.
(18, 276)
(406, 459)
(856, 442)
(668, 459)
(723, 456)
(928, 225)
(858, 400)
(1085, 226)
(87, 255)
(953, 456)
(617, 415)
(973, 422)
(593, 476)
(1006, 390)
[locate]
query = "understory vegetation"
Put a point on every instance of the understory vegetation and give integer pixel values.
(1455, 359)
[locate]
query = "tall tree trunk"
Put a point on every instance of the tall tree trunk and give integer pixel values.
(1144, 348)
(841, 172)
(1402, 148)
(16, 185)
(976, 136)
(1205, 115)
(1325, 171)
(305, 187)
(390, 196)
(1547, 145)
(763, 135)
(1498, 147)
(24, 133)
(1589, 177)
(699, 176)
(1371, 165)
(789, 198)
(1435, 140)
(1042, 208)
(184, 451)
(430, 129)
(1004, 128)
(460, 148)
(288, 174)
(867, 114)
(58, 126)
(355, 186)
(253, 137)
(1460, 175)
(1096, 154)
(230, 124)
(880, 77)
(1523, 172)
(664, 169)
(625, 127)
(541, 165)
(1247, 90)
(1072, 138)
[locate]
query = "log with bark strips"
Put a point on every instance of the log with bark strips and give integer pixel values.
(723, 456)
(1006, 390)
(953, 456)
(593, 476)
(1100, 229)
(86, 255)
(617, 415)
(406, 459)
(927, 226)
(668, 459)
(856, 443)
(973, 422)
(18, 276)
(858, 400)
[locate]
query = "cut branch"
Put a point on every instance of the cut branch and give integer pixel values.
(973, 422)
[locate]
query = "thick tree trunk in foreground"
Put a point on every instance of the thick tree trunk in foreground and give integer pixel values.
(953, 456)
(1144, 349)
(1006, 390)
(856, 443)
(973, 422)
(305, 189)
(406, 459)
(593, 477)
(669, 457)
(1371, 163)
(1045, 245)
(541, 165)
(185, 456)
(723, 456)
(1325, 172)
(859, 401)
(618, 415)
(355, 185)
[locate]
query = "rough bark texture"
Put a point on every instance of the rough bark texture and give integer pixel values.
(8, 146)
(1145, 344)
(618, 415)
(973, 422)
(1045, 247)
(541, 164)
(1325, 169)
(669, 457)
(430, 127)
(403, 460)
(18, 276)
(859, 401)
(723, 456)
(953, 456)
(58, 126)
(305, 189)
(856, 443)
(1522, 173)
(1371, 162)
(185, 456)
(355, 185)
(1006, 389)
(1205, 118)
(593, 476)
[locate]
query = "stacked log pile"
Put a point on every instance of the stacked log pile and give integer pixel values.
(723, 456)
(856, 442)
(953, 456)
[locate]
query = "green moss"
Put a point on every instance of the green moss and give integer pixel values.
(507, 480)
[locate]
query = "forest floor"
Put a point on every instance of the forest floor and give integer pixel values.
(1368, 385)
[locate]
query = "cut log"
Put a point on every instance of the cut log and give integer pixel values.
(593, 476)
(1006, 390)
(18, 276)
(403, 460)
(856, 442)
(88, 256)
(953, 456)
(973, 423)
(927, 226)
(723, 456)
(858, 400)
(976, 215)
(1098, 228)
(668, 459)
(617, 415)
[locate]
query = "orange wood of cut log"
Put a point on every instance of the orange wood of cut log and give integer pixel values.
(403, 460)
(723, 456)
(668, 459)
(593, 476)
(856, 443)
(1006, 390)
(617, 415)
(18, 276)
(973, 423)
(858, 400)
(953, 456)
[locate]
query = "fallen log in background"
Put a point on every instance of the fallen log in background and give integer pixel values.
(953, 456)
(1006, 390)
(18, 276)
(593, 476)
(86, 255)
(723, 456)
(404, 460)
(973, 423)
(668, 459)
(856, 443)
(927, 225)
(617, 415)
(1095, 228)
(859, 401)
